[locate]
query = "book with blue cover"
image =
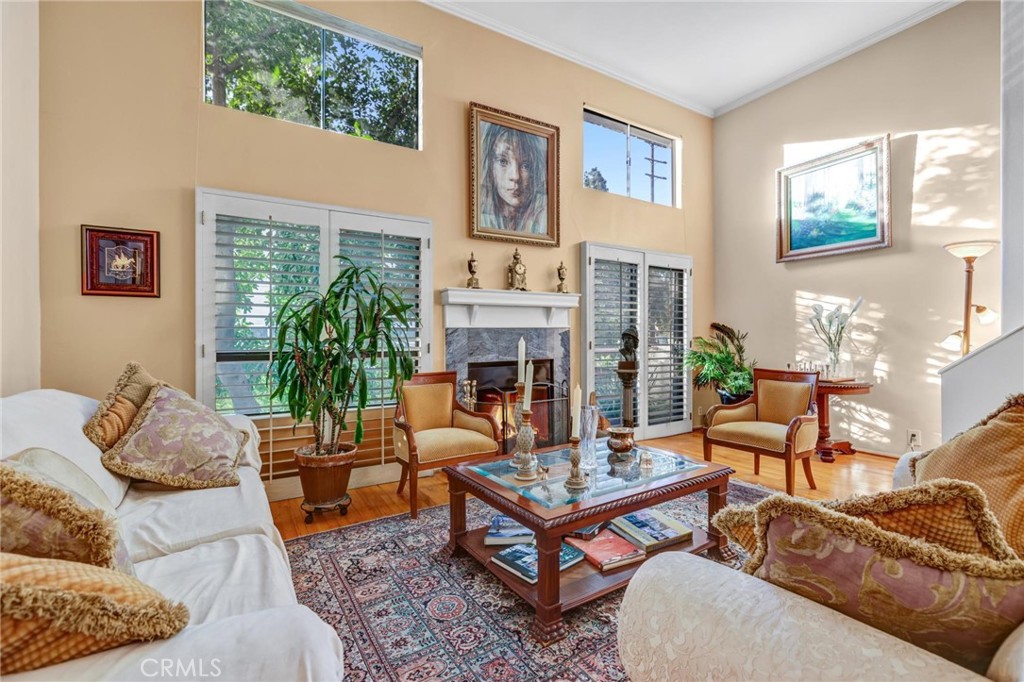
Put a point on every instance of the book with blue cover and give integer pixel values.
(505, 530)
(521, 560)
(650, 529)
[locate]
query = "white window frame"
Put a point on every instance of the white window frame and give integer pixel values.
(643, 259)
(329, 217)
(676, 181)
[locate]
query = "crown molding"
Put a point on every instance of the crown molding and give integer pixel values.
(867, 41)
(499, 27)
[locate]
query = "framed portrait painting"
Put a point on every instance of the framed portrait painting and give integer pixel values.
(120, 262)
(513, 177)
(835, 204)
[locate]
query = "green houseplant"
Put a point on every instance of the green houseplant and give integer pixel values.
(721, 363)
(327, 345)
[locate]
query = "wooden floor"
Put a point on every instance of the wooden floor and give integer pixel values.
(849, 474)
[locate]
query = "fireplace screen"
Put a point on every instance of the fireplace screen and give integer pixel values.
(496, 395)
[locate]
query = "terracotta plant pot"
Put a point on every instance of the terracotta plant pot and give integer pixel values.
(324, 478)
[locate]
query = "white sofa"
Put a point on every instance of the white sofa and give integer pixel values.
(684, 617)
(216, 550)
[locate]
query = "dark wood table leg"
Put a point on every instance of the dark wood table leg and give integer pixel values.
(717, 499)
(457, 507)
(547, 624)
(824, 445)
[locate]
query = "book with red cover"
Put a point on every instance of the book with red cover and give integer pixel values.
(608, 550)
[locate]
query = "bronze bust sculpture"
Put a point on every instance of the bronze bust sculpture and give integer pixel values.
(517, 273)
(630, 342)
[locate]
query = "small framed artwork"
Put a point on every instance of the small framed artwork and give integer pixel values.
(120, 262)
(835, 204)
(513, 177)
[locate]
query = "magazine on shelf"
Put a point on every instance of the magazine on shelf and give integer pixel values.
(521, 560)
(608, 550)
(505, 530)
(651, 529)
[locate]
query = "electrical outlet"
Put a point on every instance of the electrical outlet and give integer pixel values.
(914, 439)
(700, 411)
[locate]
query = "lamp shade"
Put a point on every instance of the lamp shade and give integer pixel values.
(953, 341)
(972, 249)
(986, 315)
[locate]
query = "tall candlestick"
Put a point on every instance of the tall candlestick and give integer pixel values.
(522, 360)
(577, 399)
(529, 385)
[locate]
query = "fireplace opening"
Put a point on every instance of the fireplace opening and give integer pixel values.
(496, 395)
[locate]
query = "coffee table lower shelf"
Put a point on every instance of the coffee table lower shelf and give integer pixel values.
(577, 584)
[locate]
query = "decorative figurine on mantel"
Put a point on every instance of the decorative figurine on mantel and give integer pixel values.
(627, 372)
(561, 279)
(517, 273)
(472, 282)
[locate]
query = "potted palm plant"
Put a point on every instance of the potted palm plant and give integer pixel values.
(325, 348)
(721, 363)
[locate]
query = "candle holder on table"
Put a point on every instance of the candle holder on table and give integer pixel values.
(576, 480)
(517, 411)
(524, 460)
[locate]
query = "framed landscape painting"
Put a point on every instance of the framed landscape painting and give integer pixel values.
(120, 262)
(834, 204)
(513, 177)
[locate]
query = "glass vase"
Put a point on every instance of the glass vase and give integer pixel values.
(588, 437)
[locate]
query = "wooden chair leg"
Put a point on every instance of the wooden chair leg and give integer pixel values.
(757, 464)
(808, 474)
(707, 450)
(414, 476)
(404, 478)
(790, 474)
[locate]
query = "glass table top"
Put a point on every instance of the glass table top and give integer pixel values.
(603, 481)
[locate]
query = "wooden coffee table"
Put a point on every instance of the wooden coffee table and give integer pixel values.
(546, 508)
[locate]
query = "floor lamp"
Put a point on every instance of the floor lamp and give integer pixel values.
(969, 252)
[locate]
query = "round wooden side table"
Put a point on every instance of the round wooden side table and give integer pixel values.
(826, 447)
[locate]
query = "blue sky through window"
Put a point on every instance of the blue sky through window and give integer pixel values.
(622, 156)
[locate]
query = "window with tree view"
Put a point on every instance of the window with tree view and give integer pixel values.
(276, 64)
(627, 160)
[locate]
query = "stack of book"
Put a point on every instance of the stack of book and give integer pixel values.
(608, 550)
(505, 530)
(521, 560)
(650, 529)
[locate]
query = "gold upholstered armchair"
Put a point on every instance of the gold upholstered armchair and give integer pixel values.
(778, 420)
(433, 430)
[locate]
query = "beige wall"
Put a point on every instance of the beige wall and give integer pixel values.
(126, 139)
(19, 198)
(935, 88)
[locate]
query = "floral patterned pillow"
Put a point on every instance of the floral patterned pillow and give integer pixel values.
(178, 442)
(956, 605)
(41, 517)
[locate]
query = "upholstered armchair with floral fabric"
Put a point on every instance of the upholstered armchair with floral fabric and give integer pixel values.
(777, 420)
(433, 430)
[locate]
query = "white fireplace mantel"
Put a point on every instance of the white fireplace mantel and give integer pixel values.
(499, 308)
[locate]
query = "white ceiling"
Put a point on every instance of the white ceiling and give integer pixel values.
(707, 56)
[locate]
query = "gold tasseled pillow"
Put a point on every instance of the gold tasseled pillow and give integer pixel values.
(951, 514)
(53, 611)
(117, 412)
(990, 454)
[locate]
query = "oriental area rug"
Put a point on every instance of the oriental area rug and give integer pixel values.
(406, 611)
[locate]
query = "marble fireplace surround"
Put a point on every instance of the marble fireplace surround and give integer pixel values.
(485, 325)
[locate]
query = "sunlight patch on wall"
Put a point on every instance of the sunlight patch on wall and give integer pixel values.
(953, 170)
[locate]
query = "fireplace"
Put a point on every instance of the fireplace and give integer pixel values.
(496, 394)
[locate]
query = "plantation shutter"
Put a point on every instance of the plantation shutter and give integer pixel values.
(616, 303)
(668, 338)
(396, 259)
(259, 264)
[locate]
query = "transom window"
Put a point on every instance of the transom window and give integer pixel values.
(624, 159)
(291, 62)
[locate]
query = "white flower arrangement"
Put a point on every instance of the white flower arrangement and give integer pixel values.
(831, 328)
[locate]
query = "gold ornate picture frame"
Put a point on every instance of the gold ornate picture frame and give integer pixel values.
(835, 204)
(513, 177)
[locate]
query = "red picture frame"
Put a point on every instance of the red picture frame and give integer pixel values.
(120, 262)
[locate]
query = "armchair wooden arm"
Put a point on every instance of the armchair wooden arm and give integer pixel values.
(407, 430)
